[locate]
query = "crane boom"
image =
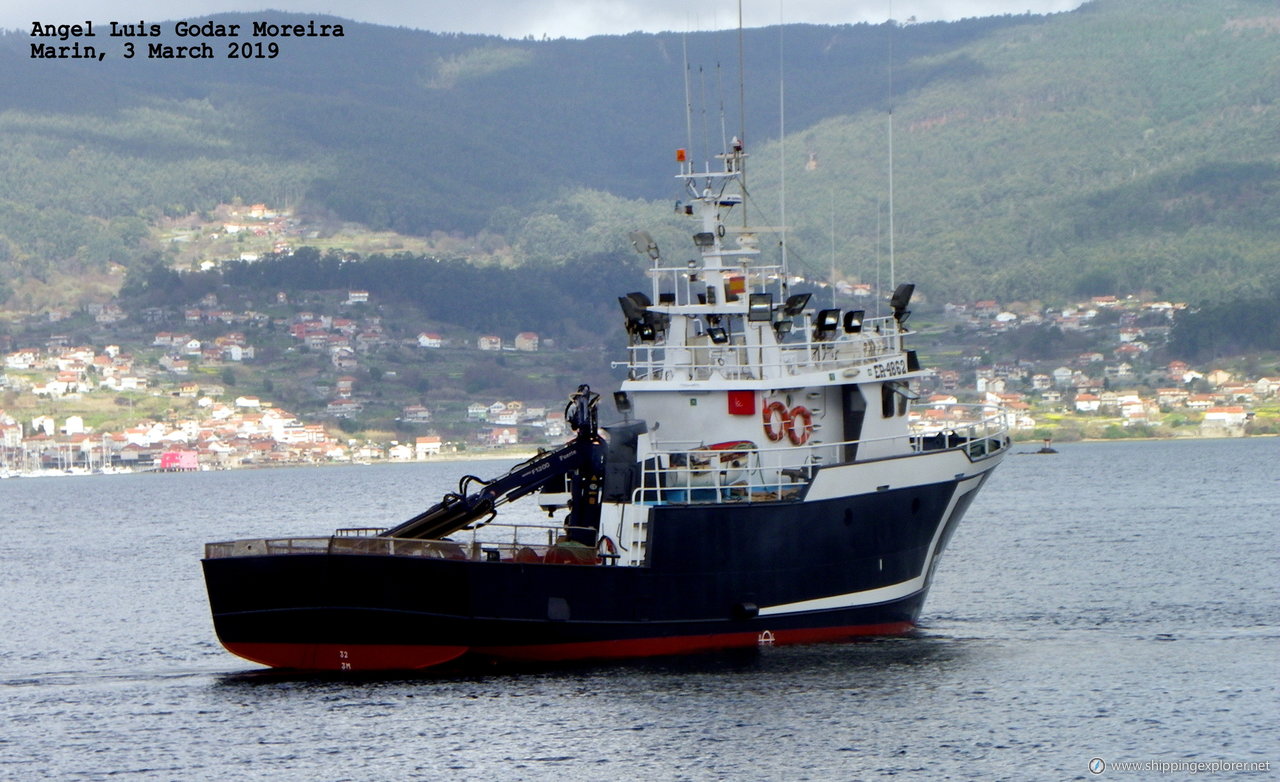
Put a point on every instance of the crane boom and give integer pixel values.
(582, 458)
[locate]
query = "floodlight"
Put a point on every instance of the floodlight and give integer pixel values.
(827, 320)
(760, 307)
(630, 309)
(826, 324)
(901, 298)
(796, 304)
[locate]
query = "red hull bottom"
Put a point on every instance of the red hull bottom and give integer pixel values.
(394, 657)
(346, 657)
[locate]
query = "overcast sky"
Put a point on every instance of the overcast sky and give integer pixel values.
(518, 18)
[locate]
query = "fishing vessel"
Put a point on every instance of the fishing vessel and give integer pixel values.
(767, 482)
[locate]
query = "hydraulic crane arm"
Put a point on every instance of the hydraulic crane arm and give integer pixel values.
(583, 456)
(460, 509)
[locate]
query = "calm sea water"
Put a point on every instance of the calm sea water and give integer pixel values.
(1116, 601)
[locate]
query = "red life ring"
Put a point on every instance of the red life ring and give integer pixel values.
(797, 432)
(777, 421)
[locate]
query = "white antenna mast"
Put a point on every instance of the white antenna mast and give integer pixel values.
(720, 93)
(892, 26)
(782, 135)
(724, 129)
(833, 249)
(702, 89)
(742, 90)
(688, 98)
(879, 244)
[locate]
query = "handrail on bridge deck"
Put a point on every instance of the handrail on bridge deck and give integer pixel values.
(746, 473)
(878, 339)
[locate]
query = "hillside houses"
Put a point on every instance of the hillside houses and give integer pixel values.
(228, 441)
(1118, 394)
(1091, 384)
(343, 340)
(226, 437)
(233, 347)
(1116, 382)
(22, 359)
(525, 341)
(415, 414)
(356, 375)
(500, 436)
(1133, 323)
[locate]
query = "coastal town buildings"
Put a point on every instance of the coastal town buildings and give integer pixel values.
(191, 357)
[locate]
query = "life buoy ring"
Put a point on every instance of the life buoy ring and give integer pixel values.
(799, 425)
(777, 421)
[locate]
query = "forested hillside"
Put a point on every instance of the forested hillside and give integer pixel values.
(1130, 145)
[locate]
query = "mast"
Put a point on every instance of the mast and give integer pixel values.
(892, 26)
(742, 90)
(782, 138)
(688, 96)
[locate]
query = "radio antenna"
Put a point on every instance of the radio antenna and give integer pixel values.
(892, 27)
(782, 135)
(742, 90)
(688, 98)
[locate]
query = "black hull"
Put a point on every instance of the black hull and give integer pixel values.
(720, 577)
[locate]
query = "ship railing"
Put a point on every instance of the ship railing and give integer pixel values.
(685, 473)
(747, 273)
(700, 359)
(680, 474)
(980, 430)
(494, 542)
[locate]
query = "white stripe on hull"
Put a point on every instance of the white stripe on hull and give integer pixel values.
(867, 597)
(886, 593)
(892, 473)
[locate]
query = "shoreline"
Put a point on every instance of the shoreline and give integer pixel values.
(513, 455)
(516, 456)
(1145, 439)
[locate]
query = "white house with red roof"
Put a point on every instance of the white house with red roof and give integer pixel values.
(1224, 421)
(1088, 403)
(502, 435)
(23, 359)
(427, 446)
